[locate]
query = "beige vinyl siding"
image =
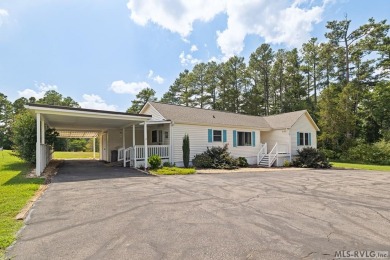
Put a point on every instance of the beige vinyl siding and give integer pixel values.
(276, 136)
(302, 125)
(199, 142)
(149, 110)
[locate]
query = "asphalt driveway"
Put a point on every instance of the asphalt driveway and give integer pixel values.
(96, 212)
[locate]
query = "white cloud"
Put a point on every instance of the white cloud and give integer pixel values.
(283, 22)
(279, 22)
(121, 87)
(3, 16)
(188, 60)
(157, 78)
(39, 93)
(96, 102)
(174, 15)
(194, 48)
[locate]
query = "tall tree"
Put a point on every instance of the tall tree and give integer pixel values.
(143, 97)
(234, 71)
(6, 115)
(260, 63)
(364, 37)
(311, 53)
(295, 91)
(199, 80)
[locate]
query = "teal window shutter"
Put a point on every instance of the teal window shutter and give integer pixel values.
(210, 135)
(234, 138)
(298, 141)
(224, 136)
(309, 138)
(253, 138)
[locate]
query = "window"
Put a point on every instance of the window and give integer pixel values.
(304, 139)
(157, 136)
(244, 138)
(217, 136)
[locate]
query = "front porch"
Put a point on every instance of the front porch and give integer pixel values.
(134, 145)
(276, 154)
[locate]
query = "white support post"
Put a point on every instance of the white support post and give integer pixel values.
(101, 146)
(170, 144)
(38, 148)
(133, 135)
(124, 147)
(146, 144)
(43, 141)
(94, 148)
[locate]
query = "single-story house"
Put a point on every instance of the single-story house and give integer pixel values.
(159, 129)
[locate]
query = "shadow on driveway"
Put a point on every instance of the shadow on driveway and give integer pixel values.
(85, 170)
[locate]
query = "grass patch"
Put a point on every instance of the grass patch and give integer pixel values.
(74, 155)
(15, 191)
(173, 171)
(360, 166)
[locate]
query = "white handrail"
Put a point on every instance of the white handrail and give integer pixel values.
(272, 157)
(121, 152)
(161, 150)
(129, 155)
(262, 152)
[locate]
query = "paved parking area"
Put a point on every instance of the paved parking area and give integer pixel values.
(95, 212)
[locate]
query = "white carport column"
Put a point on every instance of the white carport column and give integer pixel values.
(133, 135)
(43, 141)
(124, 146)
(94, 148)
(38, 148)
(146, 144)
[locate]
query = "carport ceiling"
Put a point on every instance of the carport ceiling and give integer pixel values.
(80, 119)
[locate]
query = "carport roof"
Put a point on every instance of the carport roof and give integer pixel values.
(80, 119)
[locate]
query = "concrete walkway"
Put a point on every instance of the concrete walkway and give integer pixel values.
(96, 212)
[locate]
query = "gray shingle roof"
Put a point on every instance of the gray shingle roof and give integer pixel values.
(191, 115)
(285, 120)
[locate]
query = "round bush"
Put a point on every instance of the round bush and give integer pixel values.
(154, 161)
(202, 160)
(242, 162)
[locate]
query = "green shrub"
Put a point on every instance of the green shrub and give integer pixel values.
(154, 161)
(310, 157)
(242, 162)
(377, 153)
(202, 160)
(174, 171)
(217, 158)
(186, 150)
(286, 164)
(168, 164)
(330, 154)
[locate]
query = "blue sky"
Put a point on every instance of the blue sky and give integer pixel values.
(102, 52)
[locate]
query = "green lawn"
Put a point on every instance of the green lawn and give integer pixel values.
(15, 191)
(173, 171)
(74, 155)
(361, 166)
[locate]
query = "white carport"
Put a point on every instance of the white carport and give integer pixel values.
(82, 123)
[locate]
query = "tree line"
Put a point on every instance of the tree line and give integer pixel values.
(343, 82)
(18, 127)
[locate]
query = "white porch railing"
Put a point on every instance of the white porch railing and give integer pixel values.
(160, 150)
(129, 156)
(46, 155)
(121, 153)
(137, 153)
(262, 152)
(272, 155)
